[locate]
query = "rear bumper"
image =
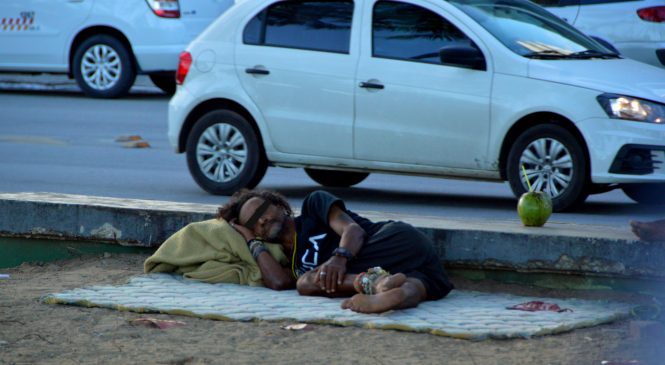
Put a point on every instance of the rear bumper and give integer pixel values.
(158, 58)
(179, 107)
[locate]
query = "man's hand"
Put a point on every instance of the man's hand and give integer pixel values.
(331, 274)
(247, 233)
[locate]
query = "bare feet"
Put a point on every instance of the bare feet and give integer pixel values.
(649, 231)
(388, 282)
(376, 303)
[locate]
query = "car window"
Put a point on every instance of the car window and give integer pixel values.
(595, 2)
(312, 25)
(408, 32)
(557, 3)
(529, 30)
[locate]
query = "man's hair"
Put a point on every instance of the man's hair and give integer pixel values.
(231, 209)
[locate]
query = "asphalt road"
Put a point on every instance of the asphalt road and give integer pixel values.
(60, 141)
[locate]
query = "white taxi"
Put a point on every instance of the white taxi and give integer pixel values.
(103, 44)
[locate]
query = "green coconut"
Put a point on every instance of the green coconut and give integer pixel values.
(534, 208)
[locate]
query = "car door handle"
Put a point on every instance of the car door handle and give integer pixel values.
(257, 71)
(371, 85)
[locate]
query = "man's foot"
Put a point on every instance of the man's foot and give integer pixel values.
(649, 231)
(388, 282)
(377, 303)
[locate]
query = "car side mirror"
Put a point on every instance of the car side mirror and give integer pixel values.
(466, 56)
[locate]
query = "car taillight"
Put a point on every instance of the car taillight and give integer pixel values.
(183, 67)
(165, 8)
(653, 14)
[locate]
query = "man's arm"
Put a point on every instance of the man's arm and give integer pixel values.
(273, 274)
(352, 236)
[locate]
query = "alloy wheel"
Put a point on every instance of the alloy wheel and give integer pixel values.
(221, 152)
(548, 165)
(101, 67)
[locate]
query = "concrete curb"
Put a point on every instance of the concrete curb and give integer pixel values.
(44, 82)
(556, 248)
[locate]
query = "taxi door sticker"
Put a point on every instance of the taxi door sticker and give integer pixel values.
(24, 22)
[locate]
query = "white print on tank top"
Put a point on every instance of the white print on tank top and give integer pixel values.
(306, 262)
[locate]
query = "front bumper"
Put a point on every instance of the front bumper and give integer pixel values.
(622, 151)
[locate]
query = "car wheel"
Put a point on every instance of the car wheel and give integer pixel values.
(164, 81)
(103, 67)
(223, 153)
(554, 162)
(652, 194)
(336, 178)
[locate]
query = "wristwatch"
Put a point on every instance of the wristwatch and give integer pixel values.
(343, 252)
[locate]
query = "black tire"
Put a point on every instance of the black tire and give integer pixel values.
(250, 171)
(336, 178)
(577, 189)
(125, 72)
(650, 194)
(165, 81)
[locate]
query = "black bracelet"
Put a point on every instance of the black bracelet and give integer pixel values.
(253, 242)
(343, 252)
(256, 246)
(261, 248)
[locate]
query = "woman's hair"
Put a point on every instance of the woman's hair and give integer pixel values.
(231, 209)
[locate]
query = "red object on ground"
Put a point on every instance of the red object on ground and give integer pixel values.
(537, 306)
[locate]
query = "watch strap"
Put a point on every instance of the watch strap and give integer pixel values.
(343, 252)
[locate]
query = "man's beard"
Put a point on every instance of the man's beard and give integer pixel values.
(276, 231)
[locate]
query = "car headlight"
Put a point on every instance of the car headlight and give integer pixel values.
(629, 108)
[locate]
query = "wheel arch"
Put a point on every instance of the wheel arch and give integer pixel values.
(99, 30)
(532, 120)
(216, 104)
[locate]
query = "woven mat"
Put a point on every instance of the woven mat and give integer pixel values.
(462, 314)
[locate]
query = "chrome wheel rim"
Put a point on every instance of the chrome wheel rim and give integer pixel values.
(221, 152)
(548, 165)
(101, 67)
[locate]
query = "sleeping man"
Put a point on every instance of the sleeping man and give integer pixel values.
(337, 253)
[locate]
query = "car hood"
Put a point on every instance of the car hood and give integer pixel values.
(618, 76)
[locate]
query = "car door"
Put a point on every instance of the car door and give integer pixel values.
(419, 111)
(297, 63)
(34, 33)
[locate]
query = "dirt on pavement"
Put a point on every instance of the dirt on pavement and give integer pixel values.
(32, 332)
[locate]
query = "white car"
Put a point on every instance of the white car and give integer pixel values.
(476, 89)
(103, 44)
(636, 28)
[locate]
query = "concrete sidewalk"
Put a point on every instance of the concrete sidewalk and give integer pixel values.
(560, 248)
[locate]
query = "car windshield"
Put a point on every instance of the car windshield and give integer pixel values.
(531, 31)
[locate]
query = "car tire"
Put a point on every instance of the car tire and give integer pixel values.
(224, 154)
(164, 81)
(650, 194)
(336, 178)
(555, 162)
(103, 67)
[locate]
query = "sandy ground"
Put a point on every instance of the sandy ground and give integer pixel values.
(32, 332)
